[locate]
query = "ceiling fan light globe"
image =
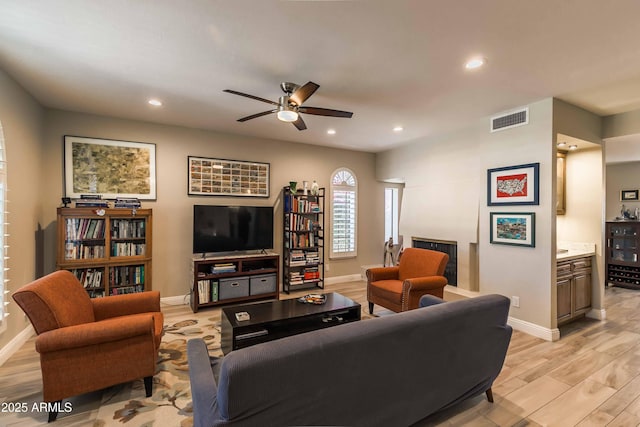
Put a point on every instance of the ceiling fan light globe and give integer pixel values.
(287, 116)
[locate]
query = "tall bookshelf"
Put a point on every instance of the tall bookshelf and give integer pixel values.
(303, 240)
(108, 250)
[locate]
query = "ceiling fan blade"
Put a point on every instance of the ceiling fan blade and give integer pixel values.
(299, 123)
(253, 116)
(325, 112)
(257, 98)
(303, 93)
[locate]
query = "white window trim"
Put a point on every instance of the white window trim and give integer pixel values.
(4, 291)
(354, 253)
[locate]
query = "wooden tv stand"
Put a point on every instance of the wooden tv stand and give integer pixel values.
(234, 279)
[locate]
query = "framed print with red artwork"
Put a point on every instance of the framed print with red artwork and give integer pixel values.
(513, 185)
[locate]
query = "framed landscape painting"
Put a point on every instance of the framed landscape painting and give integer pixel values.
(109, 168)
(513, 228)
(513, 185)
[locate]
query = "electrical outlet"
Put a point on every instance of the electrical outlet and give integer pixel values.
(515, 301)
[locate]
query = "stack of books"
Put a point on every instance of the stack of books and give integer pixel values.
(312, 258)
(296, 278)
(297, 258)
(311, 274)
(130, 203)
(227, 267)
(91, 201)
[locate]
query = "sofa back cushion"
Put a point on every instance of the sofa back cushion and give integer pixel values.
(416, 262)
(426, 358)
(55, 301)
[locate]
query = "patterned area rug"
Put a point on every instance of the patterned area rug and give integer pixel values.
(170, 404)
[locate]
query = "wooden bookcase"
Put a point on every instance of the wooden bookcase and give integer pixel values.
(303, 240)
(109, 250)
(234, 279)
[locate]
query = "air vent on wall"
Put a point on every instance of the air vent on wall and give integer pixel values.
(510, 120)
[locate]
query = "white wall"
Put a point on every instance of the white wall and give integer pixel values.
(446, 197)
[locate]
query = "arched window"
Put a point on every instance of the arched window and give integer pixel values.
(344, 202)
(3, 231)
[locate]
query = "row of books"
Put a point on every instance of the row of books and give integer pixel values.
(130, 203)
(89, 277)
(95, 293)
(207, 291)
(121, 290)
(128, 228)
(300, 205)
(300, 223)
(126, 275)
(302, 240)
(85, 228)
(78, 250)
(128, 249)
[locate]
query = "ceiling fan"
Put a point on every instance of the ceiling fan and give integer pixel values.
(289, 105)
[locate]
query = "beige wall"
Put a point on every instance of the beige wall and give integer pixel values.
(445, 197)
(583, 221)
(576, 122)
(173, 209)
(621, 176)
(21, 118)
(621, 124)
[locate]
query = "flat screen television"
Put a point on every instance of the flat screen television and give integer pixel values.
(232, 228)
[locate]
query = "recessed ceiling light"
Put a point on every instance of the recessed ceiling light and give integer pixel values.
(562, 144)
(331, 131)
(398, 129)
(155, 102)
(573, 147)
(475, 63)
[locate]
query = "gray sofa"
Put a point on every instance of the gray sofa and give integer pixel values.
(389, 371)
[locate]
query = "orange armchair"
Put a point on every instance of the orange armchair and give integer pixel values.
(88, 344)
(399, 288)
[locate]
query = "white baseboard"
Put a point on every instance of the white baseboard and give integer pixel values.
(342, 279)
(533, 329)
(14, 345)
(175, 300)
(599, 314)
(364, 268)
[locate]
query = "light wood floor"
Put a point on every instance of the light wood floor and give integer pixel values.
(591, 377)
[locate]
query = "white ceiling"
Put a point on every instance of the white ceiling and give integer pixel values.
(390, 62)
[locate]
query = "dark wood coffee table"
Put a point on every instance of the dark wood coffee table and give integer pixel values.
(277, 319)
